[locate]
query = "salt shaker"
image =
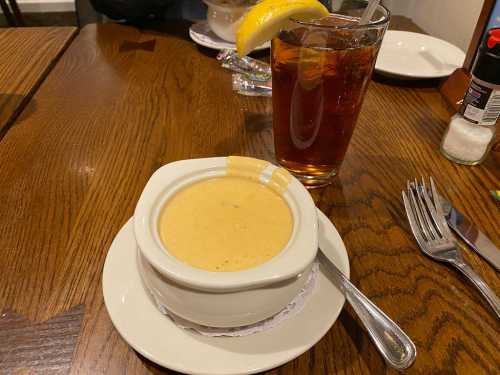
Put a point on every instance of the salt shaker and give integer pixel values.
(471, 131)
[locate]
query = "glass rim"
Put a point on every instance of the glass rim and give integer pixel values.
(372, 25)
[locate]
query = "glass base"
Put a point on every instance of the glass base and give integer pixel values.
(315, 181)
(459, 161)
(311, 175)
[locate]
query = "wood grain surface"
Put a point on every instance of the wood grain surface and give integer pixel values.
(44, 347)
(26, 56)
(114, 109)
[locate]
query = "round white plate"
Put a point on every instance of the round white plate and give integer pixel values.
(415, 56)
(157, 338)
(201, 34)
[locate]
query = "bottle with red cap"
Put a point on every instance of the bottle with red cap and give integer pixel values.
(471, 131)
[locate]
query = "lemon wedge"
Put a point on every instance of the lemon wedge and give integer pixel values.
(268, 17)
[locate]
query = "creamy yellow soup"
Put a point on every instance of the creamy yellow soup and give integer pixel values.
(225, 223)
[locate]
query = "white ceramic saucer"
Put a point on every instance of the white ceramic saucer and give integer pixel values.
(201, 34)
(415, 56)
(157, 338)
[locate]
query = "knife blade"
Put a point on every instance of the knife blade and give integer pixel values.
(471, 234)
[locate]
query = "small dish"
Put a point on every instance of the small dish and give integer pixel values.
(224, 19)
(410, 55)
(157, 338)
(222, 299)
(201, 34)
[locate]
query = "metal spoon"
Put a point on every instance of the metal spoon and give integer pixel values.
(395, 346)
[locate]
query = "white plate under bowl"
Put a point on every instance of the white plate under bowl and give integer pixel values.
(417, 56)
(201, 34)
(157, 338)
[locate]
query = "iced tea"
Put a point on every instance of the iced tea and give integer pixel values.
(320, 75)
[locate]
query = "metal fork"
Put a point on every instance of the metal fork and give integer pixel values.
(431, 231)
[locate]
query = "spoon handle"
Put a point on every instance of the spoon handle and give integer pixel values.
(395, 346)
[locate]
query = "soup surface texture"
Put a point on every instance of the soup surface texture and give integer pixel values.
(225, 224)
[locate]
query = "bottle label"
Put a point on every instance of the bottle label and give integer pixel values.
(481, 104)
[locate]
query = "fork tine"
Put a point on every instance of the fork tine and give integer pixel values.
(425, 209)
(431, 207)
(410, 214)
(426, 220)
(418, 212)
(439, 210)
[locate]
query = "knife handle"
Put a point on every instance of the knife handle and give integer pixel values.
(483, 246)
(480, 284)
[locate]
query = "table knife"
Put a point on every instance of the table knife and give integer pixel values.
(471, 234)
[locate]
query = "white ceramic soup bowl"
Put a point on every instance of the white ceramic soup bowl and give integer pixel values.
(224, 20)
(221, 299)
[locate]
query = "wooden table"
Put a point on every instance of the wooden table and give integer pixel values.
(122, 102)
(26, 57)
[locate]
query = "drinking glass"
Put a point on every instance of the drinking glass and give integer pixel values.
(320, 71)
